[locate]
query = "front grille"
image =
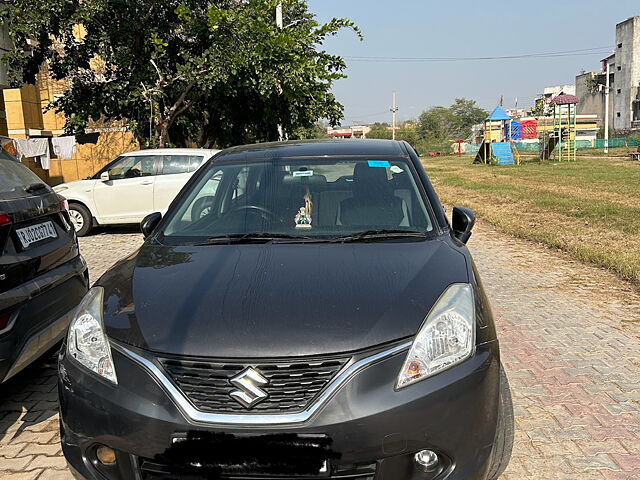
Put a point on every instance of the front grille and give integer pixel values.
(292, 385)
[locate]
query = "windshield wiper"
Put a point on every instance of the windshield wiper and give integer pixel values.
(256, 237)
(376, 234)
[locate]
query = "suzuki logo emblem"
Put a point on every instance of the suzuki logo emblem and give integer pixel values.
(249, 392)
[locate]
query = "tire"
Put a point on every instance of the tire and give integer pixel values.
(505, 430)
(81, 219)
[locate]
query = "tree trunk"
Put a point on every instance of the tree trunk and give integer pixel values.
(162, 130)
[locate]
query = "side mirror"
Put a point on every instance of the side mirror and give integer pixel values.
(463, 220)
(149, 223)
(104, 176)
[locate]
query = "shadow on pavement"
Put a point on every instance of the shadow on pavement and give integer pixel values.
(29, 402)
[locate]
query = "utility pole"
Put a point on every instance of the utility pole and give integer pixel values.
(280, 25)
(394, 111)
(606, 111)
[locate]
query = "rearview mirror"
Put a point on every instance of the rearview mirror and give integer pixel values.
(149, 223)
(463, 220)
(104, 176)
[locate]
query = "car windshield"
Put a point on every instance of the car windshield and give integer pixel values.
(318, 198)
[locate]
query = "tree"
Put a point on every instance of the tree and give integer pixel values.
(212, 72)
(450, 123)
(540, 108)
(468, 114)
(380, 130)
(438, 123)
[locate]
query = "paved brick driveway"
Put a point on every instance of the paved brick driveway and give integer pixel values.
(570, 338)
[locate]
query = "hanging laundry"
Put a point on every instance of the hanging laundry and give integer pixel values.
(34, 147)
(64, 147)
(87, 138)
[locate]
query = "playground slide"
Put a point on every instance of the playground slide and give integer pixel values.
(500, 150)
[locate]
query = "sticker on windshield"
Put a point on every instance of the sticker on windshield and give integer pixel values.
(396, 169)
(303, 173)
(379, 163)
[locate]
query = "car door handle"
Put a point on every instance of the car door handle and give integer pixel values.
(146, 182)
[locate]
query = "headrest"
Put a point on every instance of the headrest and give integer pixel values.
(370, 180)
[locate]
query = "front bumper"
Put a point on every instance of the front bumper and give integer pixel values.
(41, 310)
(373, 430)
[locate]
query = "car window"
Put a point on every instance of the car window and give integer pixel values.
(14, 177)
(172, 164)
(311, 197)
(132, 167)
(204, 199)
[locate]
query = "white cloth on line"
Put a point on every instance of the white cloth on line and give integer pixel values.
(34, 147)
(64, 147)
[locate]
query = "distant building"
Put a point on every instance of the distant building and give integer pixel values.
(24, 113)
(548, 94)
(552, 92)
(624, 77)
(356, 131)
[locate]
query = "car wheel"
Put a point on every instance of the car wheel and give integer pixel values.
(80, 219)
(504, 435)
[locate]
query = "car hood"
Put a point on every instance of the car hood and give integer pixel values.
(276, 300)
(75, 185)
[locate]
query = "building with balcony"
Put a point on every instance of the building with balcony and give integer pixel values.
(624, 78)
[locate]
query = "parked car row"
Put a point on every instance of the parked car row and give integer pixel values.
(130, 187)
(300, 310)
(43, 277)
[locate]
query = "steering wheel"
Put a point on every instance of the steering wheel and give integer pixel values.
(132, 173)
(264, 213)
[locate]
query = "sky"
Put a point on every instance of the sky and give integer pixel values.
(464, 28)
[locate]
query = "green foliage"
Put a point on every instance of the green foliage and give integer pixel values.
(437, 127)
(594, 83)
(540, 108)
(467, 114)
(450, 123)
(438, 122)
(213, 72)
(380, 130)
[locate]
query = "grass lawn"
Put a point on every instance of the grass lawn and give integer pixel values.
(599, 152)
(589, 208)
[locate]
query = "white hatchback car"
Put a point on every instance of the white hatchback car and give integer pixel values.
(132, 186)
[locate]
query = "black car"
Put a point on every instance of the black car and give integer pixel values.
(42, 274)
(303, 310)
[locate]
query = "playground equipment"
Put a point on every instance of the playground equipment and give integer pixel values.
(563, 135)
(499, 133)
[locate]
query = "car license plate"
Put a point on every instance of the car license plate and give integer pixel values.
(35, 233)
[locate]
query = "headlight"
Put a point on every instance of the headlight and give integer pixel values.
(446, 338)
(87, 343)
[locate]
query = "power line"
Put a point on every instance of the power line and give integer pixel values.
(565, 53)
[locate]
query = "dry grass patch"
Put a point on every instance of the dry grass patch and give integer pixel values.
(589, 208)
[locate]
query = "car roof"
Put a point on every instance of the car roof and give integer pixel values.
(173, 151)
(316, 148)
